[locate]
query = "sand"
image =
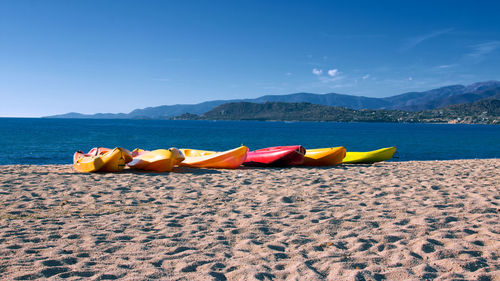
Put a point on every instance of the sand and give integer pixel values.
(388, 221)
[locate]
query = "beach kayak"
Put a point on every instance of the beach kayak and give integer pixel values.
(277, 156)
(101, 159)
(324, 156)
(159, 160)
(370, 156)
(228, 159)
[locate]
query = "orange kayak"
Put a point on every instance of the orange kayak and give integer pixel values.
(229, 159)
(324, 156)
(159, 160)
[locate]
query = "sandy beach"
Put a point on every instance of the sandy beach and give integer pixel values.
(432, 220)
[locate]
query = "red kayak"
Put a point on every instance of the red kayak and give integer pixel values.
(277, 156)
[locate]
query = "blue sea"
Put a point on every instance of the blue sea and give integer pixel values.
(53, 141)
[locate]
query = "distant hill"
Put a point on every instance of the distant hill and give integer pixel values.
(76, 115)
(486, 111)
(436, 98)
(413, 101)
(281, 111)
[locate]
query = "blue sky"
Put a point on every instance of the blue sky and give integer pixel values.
(118, 55)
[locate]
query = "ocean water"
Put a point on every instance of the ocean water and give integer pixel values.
(53, 141)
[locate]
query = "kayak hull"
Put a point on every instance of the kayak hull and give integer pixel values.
(324, 156)
(159, 160)
(276, 156)
(229, 159)
(101, 160)
(86, 164)
(369, 157)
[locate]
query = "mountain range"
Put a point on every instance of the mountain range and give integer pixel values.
(484, 111)
(411, 101)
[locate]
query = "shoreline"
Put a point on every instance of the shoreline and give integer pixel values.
(409, 220)
(127, 169)
(251, 120)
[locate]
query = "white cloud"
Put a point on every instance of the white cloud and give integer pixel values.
(333, 72)
(366, 76)
(444, 66)
(317, 71)
(480, 50)
(414, 41)
(410, 78)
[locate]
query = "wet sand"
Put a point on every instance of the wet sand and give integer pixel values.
(388, 221)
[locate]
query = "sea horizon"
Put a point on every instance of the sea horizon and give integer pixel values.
(53, 141)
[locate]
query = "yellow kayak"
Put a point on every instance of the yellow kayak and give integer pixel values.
(324, 156)
(101, 159)
(229, 159)
(159, 160)
(370, 156)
